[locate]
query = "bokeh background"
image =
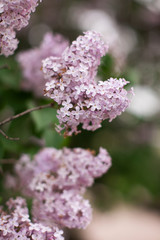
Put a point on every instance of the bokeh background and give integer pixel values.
(126, 200)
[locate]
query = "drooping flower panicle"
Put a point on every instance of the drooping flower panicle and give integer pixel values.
(71, 83)
(57, 179)
(14, 15)
(70, 168)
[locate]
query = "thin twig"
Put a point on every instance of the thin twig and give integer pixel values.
(20, 115)
(7, 161)
(5, 66)
(26, 112)
(7, 137)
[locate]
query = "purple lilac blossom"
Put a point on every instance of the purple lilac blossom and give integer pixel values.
(31, 62)
(71, 83)
(57, 180)
(66, 208)
(70, 168)
(14, 15)
(16, 224)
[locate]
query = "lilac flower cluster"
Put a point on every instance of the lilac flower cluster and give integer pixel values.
(67, 209)
(31, 61)
(57, 179)
(14, 15)
(17, 225)
(71, 83)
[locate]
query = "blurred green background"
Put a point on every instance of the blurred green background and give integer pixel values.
(132, 29)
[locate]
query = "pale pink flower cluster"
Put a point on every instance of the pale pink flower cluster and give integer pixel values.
(57, 180)
(16, 224)
(71, 83)
(31, 62)
(14, 15)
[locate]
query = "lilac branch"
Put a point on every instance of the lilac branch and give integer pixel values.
(5, 66)
(20, 115)
(7, 137)
(7, 161)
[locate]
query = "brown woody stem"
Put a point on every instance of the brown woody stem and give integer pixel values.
(20, 115)
(5, 66)
(7, 137)
(7, 161)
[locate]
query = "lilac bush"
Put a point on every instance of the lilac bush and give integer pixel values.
(57, 180)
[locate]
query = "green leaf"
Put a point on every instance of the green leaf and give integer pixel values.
(106, 67)
(10, 76)
(53, 139)
(43, 118)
